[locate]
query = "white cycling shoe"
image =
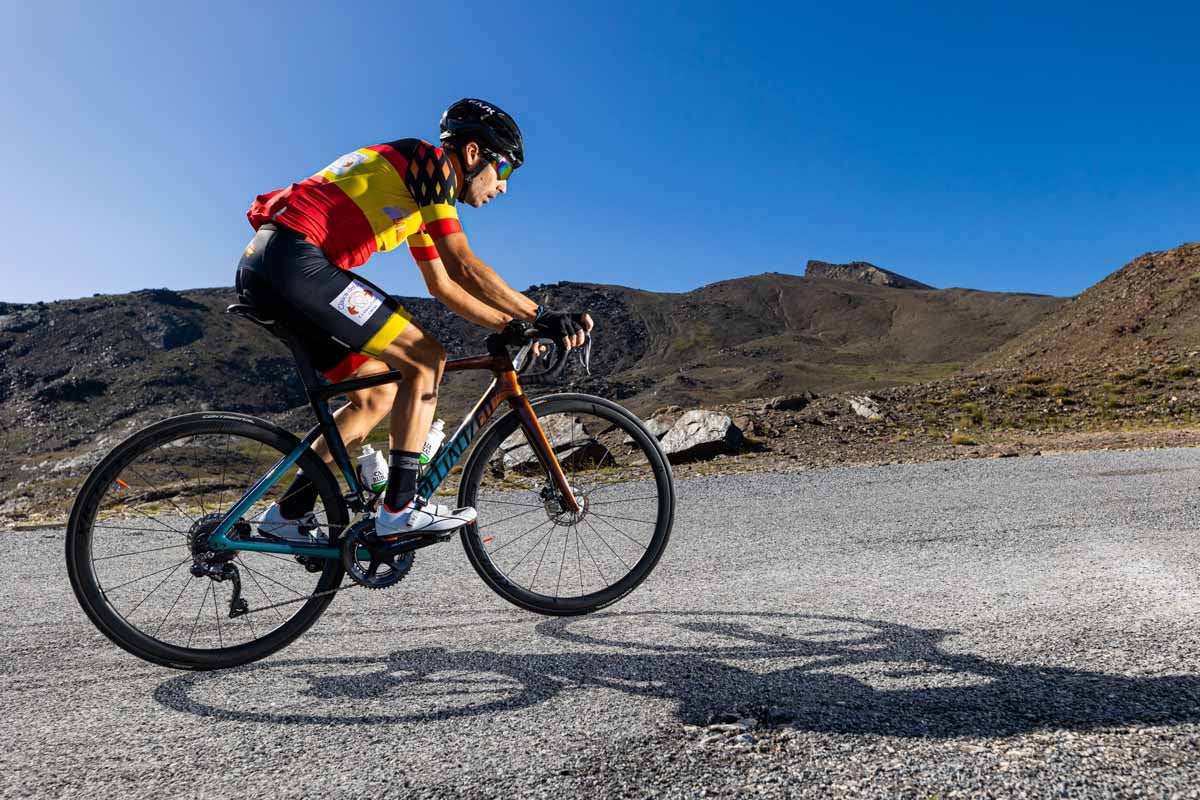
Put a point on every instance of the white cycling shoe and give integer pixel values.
(272, 524)
(416, 517)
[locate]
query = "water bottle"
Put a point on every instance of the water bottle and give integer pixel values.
(436, 435)
(373, 469)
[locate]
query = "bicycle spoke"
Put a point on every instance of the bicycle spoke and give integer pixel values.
(139, 552)
(152, 591)
(137, 530)
(606, 544)
(627, 500)
(159, 521)
(187, 582)
(627, 519)
(514, 516)
(522, 536)
(549, 538)
(578, 559)
(272, 580)
(154, 487)
(260, 588)
(483, 500)
(530, 550)
(224, 458)
(217, 614)
(199, 483)
(561, 562)
(618, 530)
(198, 612)
(147, 575)
(579, 538)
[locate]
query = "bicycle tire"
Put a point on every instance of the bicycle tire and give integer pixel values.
(485, 450)
(80, 530)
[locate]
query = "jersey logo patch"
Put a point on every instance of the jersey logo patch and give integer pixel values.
(397, 214)
(357, 303)
(346, 163)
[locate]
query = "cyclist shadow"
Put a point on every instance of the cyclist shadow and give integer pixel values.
(814, 672)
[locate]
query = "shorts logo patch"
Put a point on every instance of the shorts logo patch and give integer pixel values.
(357, 302)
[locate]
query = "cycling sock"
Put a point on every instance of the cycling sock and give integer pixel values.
(300, 497)
(402, 479)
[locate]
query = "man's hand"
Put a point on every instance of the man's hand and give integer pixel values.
(569, 330)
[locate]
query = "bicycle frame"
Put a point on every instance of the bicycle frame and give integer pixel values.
(504, 388)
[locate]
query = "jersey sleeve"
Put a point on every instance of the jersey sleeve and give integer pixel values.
(431, 181)
(422, 246)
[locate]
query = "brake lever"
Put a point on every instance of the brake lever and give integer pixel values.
(585, 353)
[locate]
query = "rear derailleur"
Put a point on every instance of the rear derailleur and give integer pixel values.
(221, 572)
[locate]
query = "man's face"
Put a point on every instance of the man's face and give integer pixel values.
(485, 187)
(487, 184)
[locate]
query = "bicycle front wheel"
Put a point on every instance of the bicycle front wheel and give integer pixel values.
(139, 525)
(534, 553)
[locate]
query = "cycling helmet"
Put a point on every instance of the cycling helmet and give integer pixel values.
(474, 120)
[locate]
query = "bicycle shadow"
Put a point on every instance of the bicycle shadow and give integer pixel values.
(815, 672)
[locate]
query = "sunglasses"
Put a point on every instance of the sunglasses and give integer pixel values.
(504, 168)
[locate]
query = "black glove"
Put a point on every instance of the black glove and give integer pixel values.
(516, 333)
(558, 325)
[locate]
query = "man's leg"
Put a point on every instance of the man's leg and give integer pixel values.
(356, 419)
(421, 359)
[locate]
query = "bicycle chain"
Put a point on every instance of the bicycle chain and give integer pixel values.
(305, 599)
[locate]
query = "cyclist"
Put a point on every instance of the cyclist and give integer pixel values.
(296, 270)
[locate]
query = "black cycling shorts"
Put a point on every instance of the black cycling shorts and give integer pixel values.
(333, 312)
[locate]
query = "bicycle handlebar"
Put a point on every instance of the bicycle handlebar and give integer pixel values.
(554, 360)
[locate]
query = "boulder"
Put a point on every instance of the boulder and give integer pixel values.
(572, 443)
(21, 321)
(866, 407)
(790, 402)
(701, 434)
(658, 425)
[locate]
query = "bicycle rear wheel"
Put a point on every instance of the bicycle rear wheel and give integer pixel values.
(139, 524)
(532, 552)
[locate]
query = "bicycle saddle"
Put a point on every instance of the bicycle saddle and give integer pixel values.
(251, 313)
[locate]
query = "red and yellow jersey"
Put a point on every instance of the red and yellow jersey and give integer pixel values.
(369, 201)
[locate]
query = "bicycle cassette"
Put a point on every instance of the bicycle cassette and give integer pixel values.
(366, 561)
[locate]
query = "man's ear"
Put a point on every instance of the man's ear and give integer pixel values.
(470, 154)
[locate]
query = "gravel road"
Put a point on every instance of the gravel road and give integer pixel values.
(1017, 627)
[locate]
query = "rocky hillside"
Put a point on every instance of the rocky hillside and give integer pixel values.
(861, 272)
(1151, 306)
(78, 375)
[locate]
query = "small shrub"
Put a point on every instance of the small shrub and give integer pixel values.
(972, 415)
(958, 437)
(1025, 390)
(1142, 380)
(1182, 371)
(957, 396)
(1033, 379)
(1122, 375)
(1059, 390)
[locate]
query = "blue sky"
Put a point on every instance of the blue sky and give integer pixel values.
(1023, 147)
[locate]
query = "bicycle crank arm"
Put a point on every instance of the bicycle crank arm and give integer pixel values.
(415, 542)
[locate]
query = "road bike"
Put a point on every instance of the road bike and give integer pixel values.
(575, 504)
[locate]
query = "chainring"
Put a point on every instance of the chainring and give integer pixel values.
(365, 562)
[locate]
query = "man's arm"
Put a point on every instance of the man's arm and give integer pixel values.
(470, 272)
(459, 300)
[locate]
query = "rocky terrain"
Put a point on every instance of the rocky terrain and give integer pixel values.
(78, 375)
(861, 272)
(1149, 307)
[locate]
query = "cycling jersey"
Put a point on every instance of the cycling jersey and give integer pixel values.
(369, 201)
